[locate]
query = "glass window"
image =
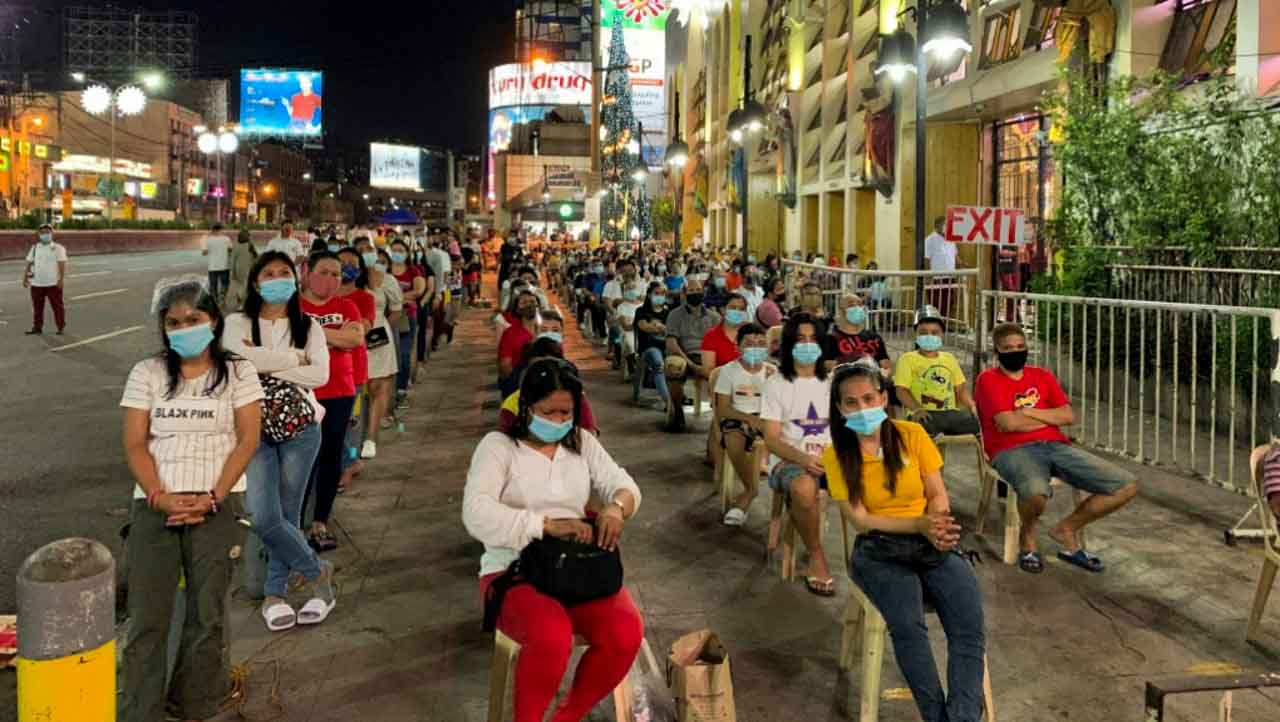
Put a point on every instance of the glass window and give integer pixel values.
(1044, 21)
(999, 37)
(1200, 28)
(1024, 176)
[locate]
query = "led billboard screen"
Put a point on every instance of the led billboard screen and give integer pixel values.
(277, 102)
(395, 166)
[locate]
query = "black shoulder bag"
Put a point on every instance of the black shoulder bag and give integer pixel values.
(567, 571)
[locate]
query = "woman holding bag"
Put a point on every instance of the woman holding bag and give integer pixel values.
(289, 351)
(510, 505)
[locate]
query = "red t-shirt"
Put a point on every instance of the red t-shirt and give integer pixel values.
(732, 281)
(360, 360)
(512, 344)
(725, 348)
(996, 393)
(334, 314)
(406, 284)
(303, 107)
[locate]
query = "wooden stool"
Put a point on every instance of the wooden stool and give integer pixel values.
(505, 651)
(1012, 521)
(1270, 546)
(865, 627)
(781, 514)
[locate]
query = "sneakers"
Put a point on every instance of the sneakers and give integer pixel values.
(369, 450)
(33, 332)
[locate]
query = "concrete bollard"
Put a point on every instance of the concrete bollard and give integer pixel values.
(66, 634)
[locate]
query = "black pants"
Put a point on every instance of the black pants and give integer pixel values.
(952, 423)
(424, 320)
(328, 468)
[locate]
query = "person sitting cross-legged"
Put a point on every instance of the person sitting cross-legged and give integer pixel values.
(1023, 410)
(931, 385)
(739, 389)
(795, 414)
(686, 327)
(650, 334)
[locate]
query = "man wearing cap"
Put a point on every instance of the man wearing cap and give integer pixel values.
(45, 271)
(930, 384)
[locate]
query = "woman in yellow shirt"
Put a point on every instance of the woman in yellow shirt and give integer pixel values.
(896, 500)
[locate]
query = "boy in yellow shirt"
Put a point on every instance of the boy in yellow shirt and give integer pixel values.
(930, 384)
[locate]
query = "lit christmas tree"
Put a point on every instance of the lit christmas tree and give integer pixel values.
(619, 122)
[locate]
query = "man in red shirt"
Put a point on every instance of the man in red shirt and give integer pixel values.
(1022, 409)
(303, 105)
(514, 339)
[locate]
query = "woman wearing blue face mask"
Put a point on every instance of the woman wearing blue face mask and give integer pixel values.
(651, 342)
(383, 364)
(505, 511)
(887, 477)
(852, 339)
(286, 347)
(191, 424)
(413, 286)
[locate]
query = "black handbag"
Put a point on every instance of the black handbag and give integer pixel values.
(376, 337)
(914, 550)
(567, 571)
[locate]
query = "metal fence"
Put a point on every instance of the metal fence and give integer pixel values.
(1214, 286)
(1174, 384)
(1242, 257)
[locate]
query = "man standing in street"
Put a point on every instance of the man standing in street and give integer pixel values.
(218, 248)
(940, 256)
(46, 268)
(287, 244)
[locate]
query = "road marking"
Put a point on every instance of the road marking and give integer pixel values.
(99, 293)
(144, 268)
(86, 275)
(94, 339)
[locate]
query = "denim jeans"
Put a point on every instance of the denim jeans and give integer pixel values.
(651, 361)
(277, 476)
(1030, 466)
(898, 591)
(404, 353)
(218, 282)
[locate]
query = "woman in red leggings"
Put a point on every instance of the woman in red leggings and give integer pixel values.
(535, 480)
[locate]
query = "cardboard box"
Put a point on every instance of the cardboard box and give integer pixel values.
(698, 672)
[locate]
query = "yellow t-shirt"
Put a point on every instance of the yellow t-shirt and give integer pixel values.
(512, 403)
(920, 457)
(932, 381)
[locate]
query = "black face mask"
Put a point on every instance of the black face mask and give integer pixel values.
(693, 299)
(1013, 360)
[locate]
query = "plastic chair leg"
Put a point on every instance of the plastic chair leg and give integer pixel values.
(1266, 580)
(505, 651)
(1012, 527)
(873, 634)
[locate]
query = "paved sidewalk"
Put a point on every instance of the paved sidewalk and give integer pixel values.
(405, 641)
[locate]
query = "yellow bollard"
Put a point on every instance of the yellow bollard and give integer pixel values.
(66, 634)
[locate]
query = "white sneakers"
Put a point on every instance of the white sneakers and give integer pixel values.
(369, 450)
(735, 517)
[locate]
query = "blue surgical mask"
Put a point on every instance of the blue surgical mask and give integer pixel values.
(866, 422)
(633, 294)
(718, 281)
(807, 353)
(278, 290)
(380, 266)
(929, 342)
(370, 258)
(754, 356)
(191, 342)
(856, 315)
(659, 300)
(333, 247)
(662, 269)
(46, 238)
(599, 269)
(350, 274)
(549, 431)
(734, 317)
(553, 335)
(396, 256)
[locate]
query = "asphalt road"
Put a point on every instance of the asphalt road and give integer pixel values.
(63, 471)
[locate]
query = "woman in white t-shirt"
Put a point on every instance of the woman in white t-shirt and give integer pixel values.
(632, 300)
(191, 426)
(383, 364)
(284, 343)
(795, 410)
(739, 392)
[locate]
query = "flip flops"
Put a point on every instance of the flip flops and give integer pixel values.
(821, 587)
(279, 616)
(1082, 559)
(1031, 562)
(735, 517)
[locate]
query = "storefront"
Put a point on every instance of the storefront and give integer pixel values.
(87, 178)
(1023, 176)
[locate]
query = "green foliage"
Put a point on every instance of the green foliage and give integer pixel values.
(664, 215)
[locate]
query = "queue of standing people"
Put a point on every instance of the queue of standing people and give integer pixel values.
(276, 375)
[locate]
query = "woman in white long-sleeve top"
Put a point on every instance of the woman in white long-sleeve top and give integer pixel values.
(531, 483)
(290, 352)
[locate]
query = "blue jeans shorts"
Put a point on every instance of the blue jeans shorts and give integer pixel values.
(784, 473)
(1029, 467)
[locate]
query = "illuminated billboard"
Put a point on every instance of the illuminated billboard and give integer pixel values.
(284, 103)
(395, 166)
(644, 28)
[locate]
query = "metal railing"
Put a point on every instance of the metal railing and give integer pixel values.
(1173, 384)
(1242, 257)
(1179, 284)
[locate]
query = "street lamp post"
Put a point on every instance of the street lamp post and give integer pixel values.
(224, 142)
(127, 99)
(942, 28)
(676, 157)
(744, 122)
(546, 205)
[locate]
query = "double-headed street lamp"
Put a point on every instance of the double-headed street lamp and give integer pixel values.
(677, 156)
(942, 28)
(123, 100)
(224, 142)
(748, 120)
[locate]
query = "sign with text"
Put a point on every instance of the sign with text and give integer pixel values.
(559, 83)
(644, 24)
(980, 225)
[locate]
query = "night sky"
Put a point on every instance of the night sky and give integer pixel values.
(415, 72)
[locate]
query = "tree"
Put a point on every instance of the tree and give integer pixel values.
(619, 122)
(664, 215)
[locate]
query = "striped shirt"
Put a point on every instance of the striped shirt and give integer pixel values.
(1271, 473)
(192, 434)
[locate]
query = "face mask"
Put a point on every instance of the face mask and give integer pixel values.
(662, 269)
(553, 335)
(333, 247)
(693, 299)
(633, 294)
(350, 274)
(370, 258)
(929, 342)
(719, 281)
(807, 353)
(659, 300)
(1013, 360)
(549, 431)
(277, 290)
(527, 311)
(46, 238)
(380, 266)
(755, 355)
(751, 258)
(735, 317)
(866, 422)
(191, 342)
(599, 269)
(321, 285)
(856, 315)
(396, 257)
